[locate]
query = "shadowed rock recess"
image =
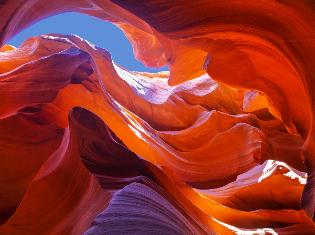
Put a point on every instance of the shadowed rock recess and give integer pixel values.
(223, 143)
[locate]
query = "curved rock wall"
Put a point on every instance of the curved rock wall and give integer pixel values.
(223, 143)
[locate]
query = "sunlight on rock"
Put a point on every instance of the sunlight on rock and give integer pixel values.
(222, 143)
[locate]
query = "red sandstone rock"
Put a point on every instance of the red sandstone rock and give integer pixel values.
(223, 143)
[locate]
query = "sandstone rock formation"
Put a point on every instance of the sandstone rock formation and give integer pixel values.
(223, 143)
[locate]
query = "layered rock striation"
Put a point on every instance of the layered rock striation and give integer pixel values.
(222, 143)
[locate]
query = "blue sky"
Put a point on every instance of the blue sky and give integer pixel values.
(98, 32)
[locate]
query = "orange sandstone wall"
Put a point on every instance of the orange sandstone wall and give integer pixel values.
(223, 143)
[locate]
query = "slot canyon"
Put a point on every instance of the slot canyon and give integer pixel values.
(221, 143)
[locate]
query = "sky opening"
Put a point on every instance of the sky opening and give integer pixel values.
(99, 32)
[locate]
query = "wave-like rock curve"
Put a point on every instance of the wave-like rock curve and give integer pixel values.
(223, 143)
